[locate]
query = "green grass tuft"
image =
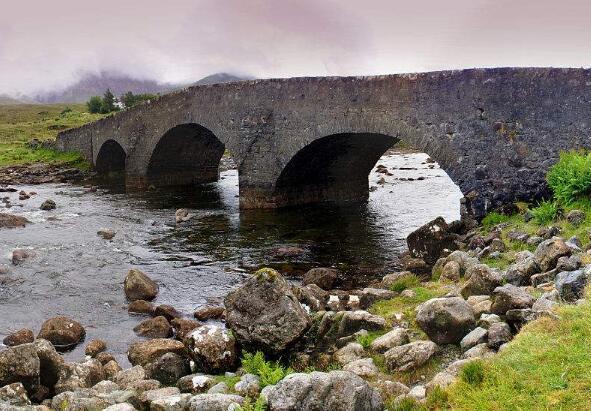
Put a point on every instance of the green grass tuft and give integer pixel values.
(473, 373)
(404, 282)
(546, 212)
(570, 178)
(493, 219)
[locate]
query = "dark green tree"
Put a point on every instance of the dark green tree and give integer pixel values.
(108, 104)
(94, 104)
(129, 99)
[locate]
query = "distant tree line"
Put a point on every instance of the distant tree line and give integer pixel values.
(108, 103)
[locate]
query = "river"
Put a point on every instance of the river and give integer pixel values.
(78, 274)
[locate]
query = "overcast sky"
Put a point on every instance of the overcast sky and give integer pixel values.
(49, 44)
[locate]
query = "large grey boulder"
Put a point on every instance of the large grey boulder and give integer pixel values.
(549, 251)
(20, 364)
(63, 332)
(264, 314)
(571, 284)
(510, 297)
(482, 280)
(520, 272)
(446, 320)
(430, 240)
(138, 286)
(214, 402)
(74, 376)
(410, 356)
(322, 277)
(336, 390)
(213, 348)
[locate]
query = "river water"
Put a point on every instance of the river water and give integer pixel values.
(78, 274)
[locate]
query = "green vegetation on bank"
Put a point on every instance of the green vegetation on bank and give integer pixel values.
(19, 124)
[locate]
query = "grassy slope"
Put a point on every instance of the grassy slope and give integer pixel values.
(24, 122)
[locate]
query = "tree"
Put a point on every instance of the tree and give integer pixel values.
(94, 104)
(108, 103)
(129, 99)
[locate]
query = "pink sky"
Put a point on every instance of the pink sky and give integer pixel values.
(48, 44)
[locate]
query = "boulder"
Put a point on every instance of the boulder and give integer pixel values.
(48, 205)
(363, 367)
(479, 351)
(13, 395)
(481, 304)
(248, 386)
(476, 336)
(499, 334)
(147, 397)
(106, 234)
(141, 307)
(322, 277)
(451, 272)
(168, 369)
(183, 327)
(312, 296)
(430, 240)
(195, 383)
(264, 314)
(353, 321)
(336, 390)
(73, 376)
(547, 301)
(410, 356)
(390, 279)
(125, 378)
(22, 336)
(167, 311)
(486, 320)
(481, 280)
(571, 284)
(157, 327)
(576, 217)
(181, 215)
(213, 348)
(138, 286)
(446, 320)
(349, 353)
(177, 402)
(145, 352)
(20, 364)
(510, 297)
(571, 263)
(94, 347)
(521, 271)
(63, 332)
(214, 402)
(12, 221)
(398, 336)
(209, 312)
(549, 251)
(104, 357)
(50, 362)
(20, 255)
(111, 369)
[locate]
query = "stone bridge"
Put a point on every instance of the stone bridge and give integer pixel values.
(302, 140)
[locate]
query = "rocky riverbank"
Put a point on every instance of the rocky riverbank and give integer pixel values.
(402, 340)
(39, 173)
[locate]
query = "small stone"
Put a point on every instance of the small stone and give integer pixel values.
(248, 386)
(22, 336)
(476, 336)
(209, 313)
(451, 272)
(94, 347)
(479, 351)
(181, 215)
(571, 284)
(183, 327)
(104, 357)
(549, 251)
(445, 320)
(322, 277)
(148, 397)
(157, 327)
(195, 383)
(14, 395)
(575, 217)
(48, 205)
(138, 286)
(106, 234)
(141, 307)
(510, 297)
(481, 280)
(168, 369)
(167, 311)
(111, 368)
(486, 320)
(12, 221)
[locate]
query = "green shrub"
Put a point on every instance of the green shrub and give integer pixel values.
(250, 405)
(473, 373)
(492, 219)
(404, 282)
(437, 399)
(405, 404)
(269, 372)
(546, 212)
(570, 178)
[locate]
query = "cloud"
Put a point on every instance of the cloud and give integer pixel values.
(47, 45)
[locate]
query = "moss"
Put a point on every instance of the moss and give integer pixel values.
(267, 274)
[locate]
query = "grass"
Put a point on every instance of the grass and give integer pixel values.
(404, 282)
(546, 212)
(493, 219)
(570, 177)
(22, 123)
(546, 367)
(366, 340)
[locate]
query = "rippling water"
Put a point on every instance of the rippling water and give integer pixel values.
(77, 273)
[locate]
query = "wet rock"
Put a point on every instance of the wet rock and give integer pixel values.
(63, 332)
(264, 313)
(214, 402)
(409, 356)
(145, 352)
(416, 266)
(138, 286)
(20, 364)
(20, 255)
(13, 395)
(181, 215)
(336, 390)
(209, 312)
(363, 367)
(94, 347)
(430, 240)
(167, 311)
(322, 277)
(111, 369)
(575, 217)
(212, 348)
(157, 327)
(445, 320)
(141, 307)
(510, 297)
(398, 336)
(248, 386)
(104, 357)
(168, 368)
(482, 280)
(48, 205)
(50, 362)
(368, 296)
(73, 376)
(106, 234)
(195, 383)
(571, 284)
(183, 327)
(349, 353)
(549, 251)
(476, 336)
(12, 221)
(22, 336)
(498, 334)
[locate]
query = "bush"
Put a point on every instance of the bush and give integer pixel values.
(250, 405)
(473, 373)
(570, 178)
(269, 372)
(94, 105)
(546, 212)
(404, 282)
(492, 219)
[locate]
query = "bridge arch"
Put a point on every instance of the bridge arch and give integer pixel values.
(186, 154)
(111, 158)
(334, 168)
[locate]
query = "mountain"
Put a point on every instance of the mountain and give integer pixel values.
(6, 100)
(96, 84)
